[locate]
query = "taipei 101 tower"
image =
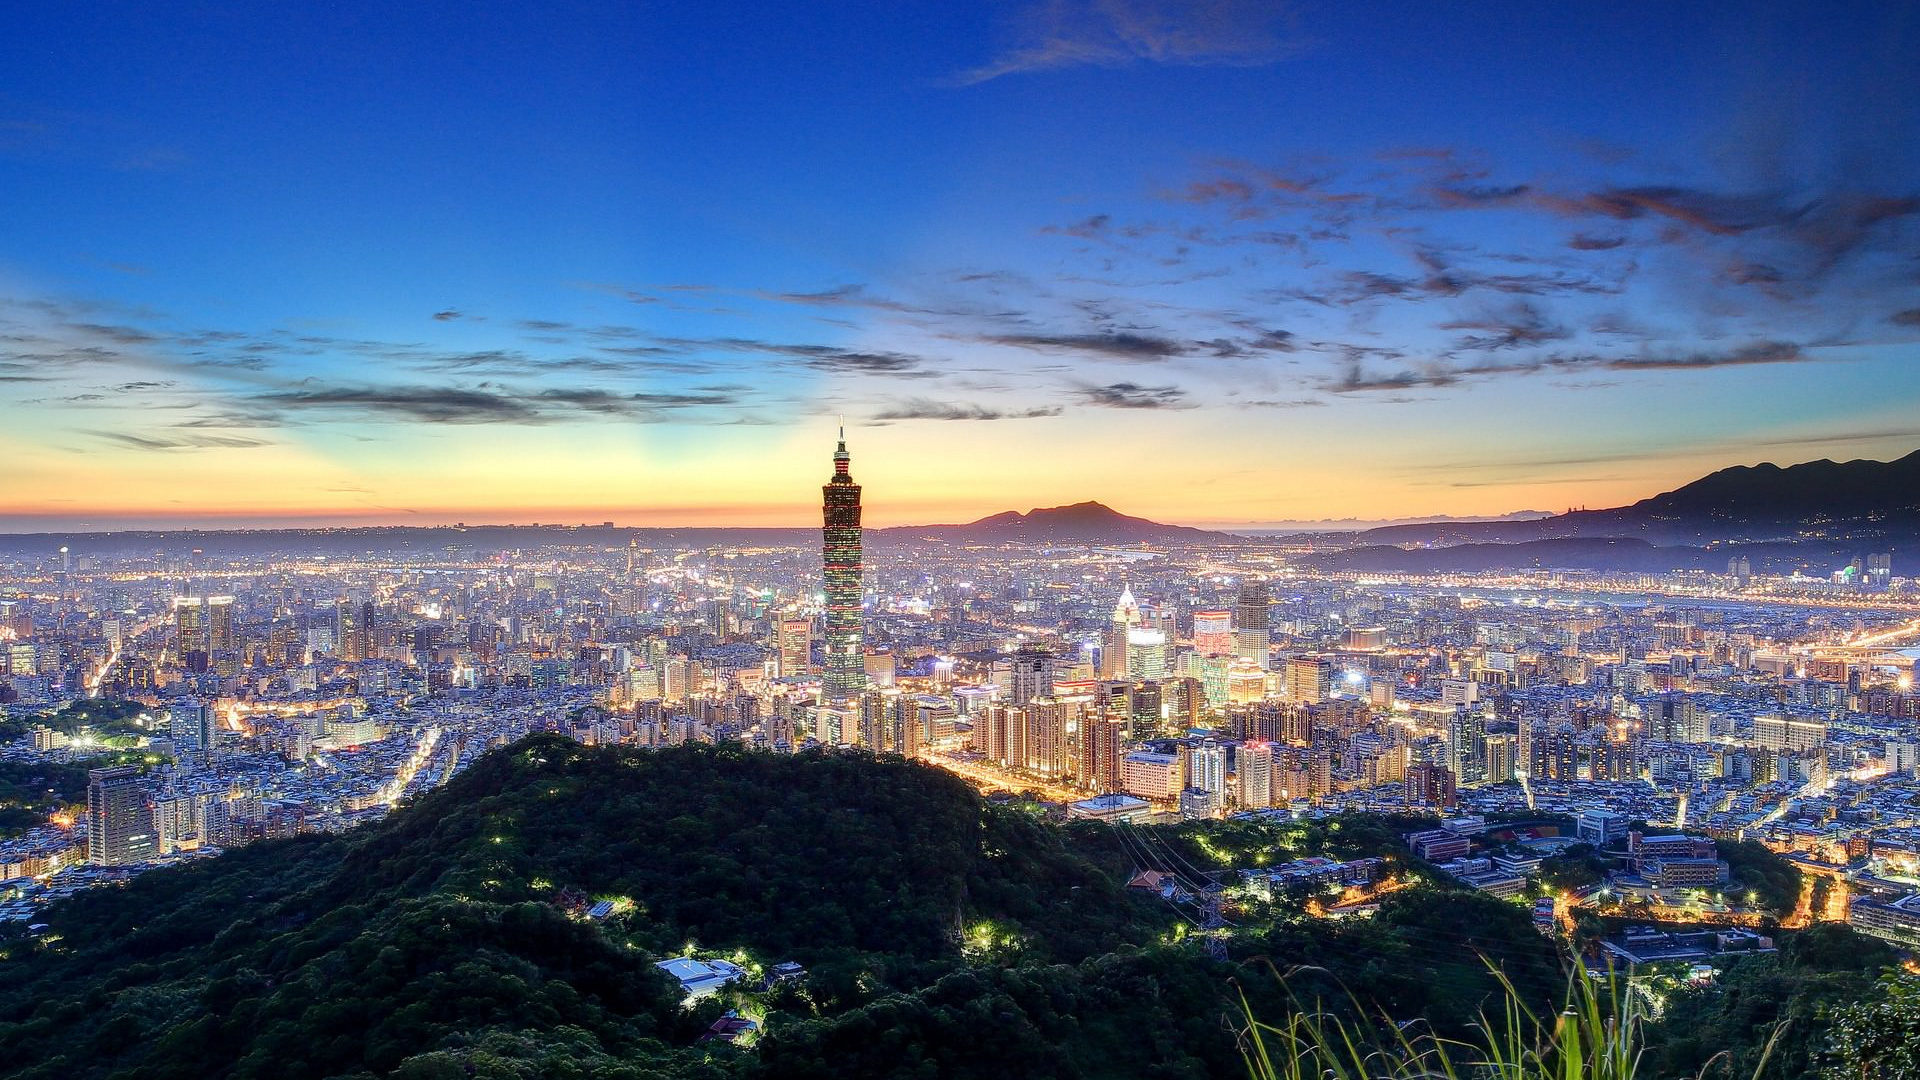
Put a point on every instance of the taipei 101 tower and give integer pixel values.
(846, 674)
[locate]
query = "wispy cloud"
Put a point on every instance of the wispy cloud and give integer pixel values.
(1126, 395)
(177, 442)
(435, 404)
(480, 405)
(930, 409)
(1357, 377)
(1058, 34)
(1119, 346)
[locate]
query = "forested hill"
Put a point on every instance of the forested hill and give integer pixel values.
(943, 936)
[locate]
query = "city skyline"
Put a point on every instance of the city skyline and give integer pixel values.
(1408, 507)
(1276, 265)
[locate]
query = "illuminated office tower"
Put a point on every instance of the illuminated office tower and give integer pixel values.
(348, 636)
(120, 826)
(1113, 645)
(1215, 683)
(1213, 633)
(846, 671)
(793, 639)
(1146, 654)
(219, 624)
(1251, 623)
(1308, 679)
(189, 624)
(1146, 704)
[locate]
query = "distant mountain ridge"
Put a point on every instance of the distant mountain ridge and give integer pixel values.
(1082, 522)
(1861, 499)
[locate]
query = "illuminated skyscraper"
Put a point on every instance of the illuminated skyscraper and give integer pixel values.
(1251, 624)
(219, 624)
(189, 623)
(846, 671)
(1213, 633)
(1146, 654)
(1113, 645)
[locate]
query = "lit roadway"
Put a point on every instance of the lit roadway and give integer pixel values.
(396, 785)
(1871, 647)
(99, 674)
(1870, 602)
(989, 778)
(233, 711)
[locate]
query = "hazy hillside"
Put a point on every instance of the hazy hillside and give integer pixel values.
(1862, 500)
(1084, 522)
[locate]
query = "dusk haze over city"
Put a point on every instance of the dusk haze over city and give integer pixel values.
(1033, 538)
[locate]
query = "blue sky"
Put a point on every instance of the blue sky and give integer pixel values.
(1215, 262)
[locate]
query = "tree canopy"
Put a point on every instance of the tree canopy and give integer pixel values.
(943, 936)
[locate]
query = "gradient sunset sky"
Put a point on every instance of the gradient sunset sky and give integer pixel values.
(1216, 263)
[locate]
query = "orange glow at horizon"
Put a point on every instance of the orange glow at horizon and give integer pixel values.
(769, 476)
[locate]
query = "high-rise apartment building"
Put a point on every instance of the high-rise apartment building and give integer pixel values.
(1032, 675)
(793, 640)
(120, 824)
(1430, 785)
(1467, 739)
(1880, 571)
(1207, 767)
(846, 658)
(1253, 768)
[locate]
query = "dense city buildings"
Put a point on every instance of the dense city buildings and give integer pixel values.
(224, 694)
